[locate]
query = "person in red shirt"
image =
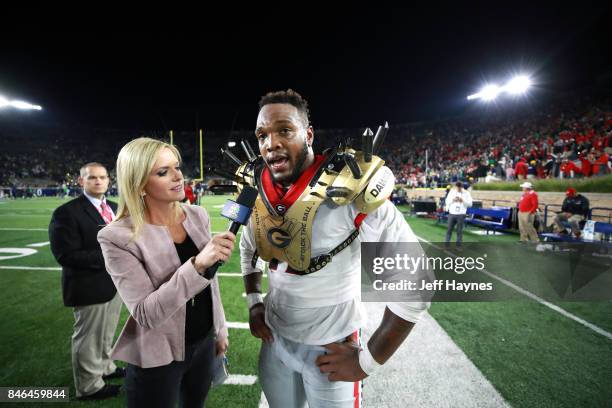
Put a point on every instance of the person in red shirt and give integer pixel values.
(189, 196)
(598, 143)
(520, 170)
(527, 208)
(568, 169)
(586, 164)
(601, 163)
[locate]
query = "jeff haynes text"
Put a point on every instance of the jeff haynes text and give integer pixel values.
(439, 284)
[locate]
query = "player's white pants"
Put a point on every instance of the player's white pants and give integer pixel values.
(290, 378)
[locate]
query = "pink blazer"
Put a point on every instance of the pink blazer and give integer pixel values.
(155, 288)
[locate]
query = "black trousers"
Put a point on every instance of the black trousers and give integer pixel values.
(186, 382)
(457, 219)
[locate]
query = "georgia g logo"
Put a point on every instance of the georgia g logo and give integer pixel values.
(280, 208)
(279, 238)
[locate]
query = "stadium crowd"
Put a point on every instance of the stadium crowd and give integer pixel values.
(566, 140)
(53, 157)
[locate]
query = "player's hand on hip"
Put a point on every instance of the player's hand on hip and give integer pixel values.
(219, 248)
(257, 323)
(341, 362)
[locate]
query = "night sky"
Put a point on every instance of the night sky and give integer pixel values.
(356, 67)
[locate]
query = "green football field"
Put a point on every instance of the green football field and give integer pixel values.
(533, 355)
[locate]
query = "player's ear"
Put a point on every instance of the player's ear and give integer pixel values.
(309, 136)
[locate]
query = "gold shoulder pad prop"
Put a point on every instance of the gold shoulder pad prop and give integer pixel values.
(377, 191)
(343, 187)
(245, 175)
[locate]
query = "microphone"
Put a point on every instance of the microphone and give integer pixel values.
(238, 212)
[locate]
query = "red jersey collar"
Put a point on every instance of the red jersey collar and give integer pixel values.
(275, 193)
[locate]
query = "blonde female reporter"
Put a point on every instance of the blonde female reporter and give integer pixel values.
(157, 252)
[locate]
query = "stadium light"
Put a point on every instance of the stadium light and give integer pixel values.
(490, 92)
(21, 105)
(516, 86)
(231, 144)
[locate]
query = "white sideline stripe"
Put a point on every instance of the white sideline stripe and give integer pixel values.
(39, 244)
(554, 307)
(538, 299)
(33, 268)
(244, 294)
(237, 325)
(240, 379)
(483, 232)
(56, 268)
(235, 274)
(263, 402)
(411, 377)
(24, 229)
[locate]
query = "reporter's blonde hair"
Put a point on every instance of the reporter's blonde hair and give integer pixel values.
(134, 165)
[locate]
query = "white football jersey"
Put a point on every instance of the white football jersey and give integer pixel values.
(325, 306)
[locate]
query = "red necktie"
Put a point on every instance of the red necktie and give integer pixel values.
(105, 212)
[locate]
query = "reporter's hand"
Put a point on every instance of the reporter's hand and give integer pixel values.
(221, 346)
(257, 323)
(218, 249)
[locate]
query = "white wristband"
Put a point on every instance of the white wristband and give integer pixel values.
(367, 362)
(253, 299)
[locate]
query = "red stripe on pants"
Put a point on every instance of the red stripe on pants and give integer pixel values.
(357, 384)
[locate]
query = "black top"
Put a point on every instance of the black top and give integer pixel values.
(73, 233)
(578, 204)
(199, 319)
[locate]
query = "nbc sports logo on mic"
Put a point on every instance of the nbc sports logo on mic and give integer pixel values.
(236, 212)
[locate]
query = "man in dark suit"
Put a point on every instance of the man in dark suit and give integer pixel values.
(86, 285)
